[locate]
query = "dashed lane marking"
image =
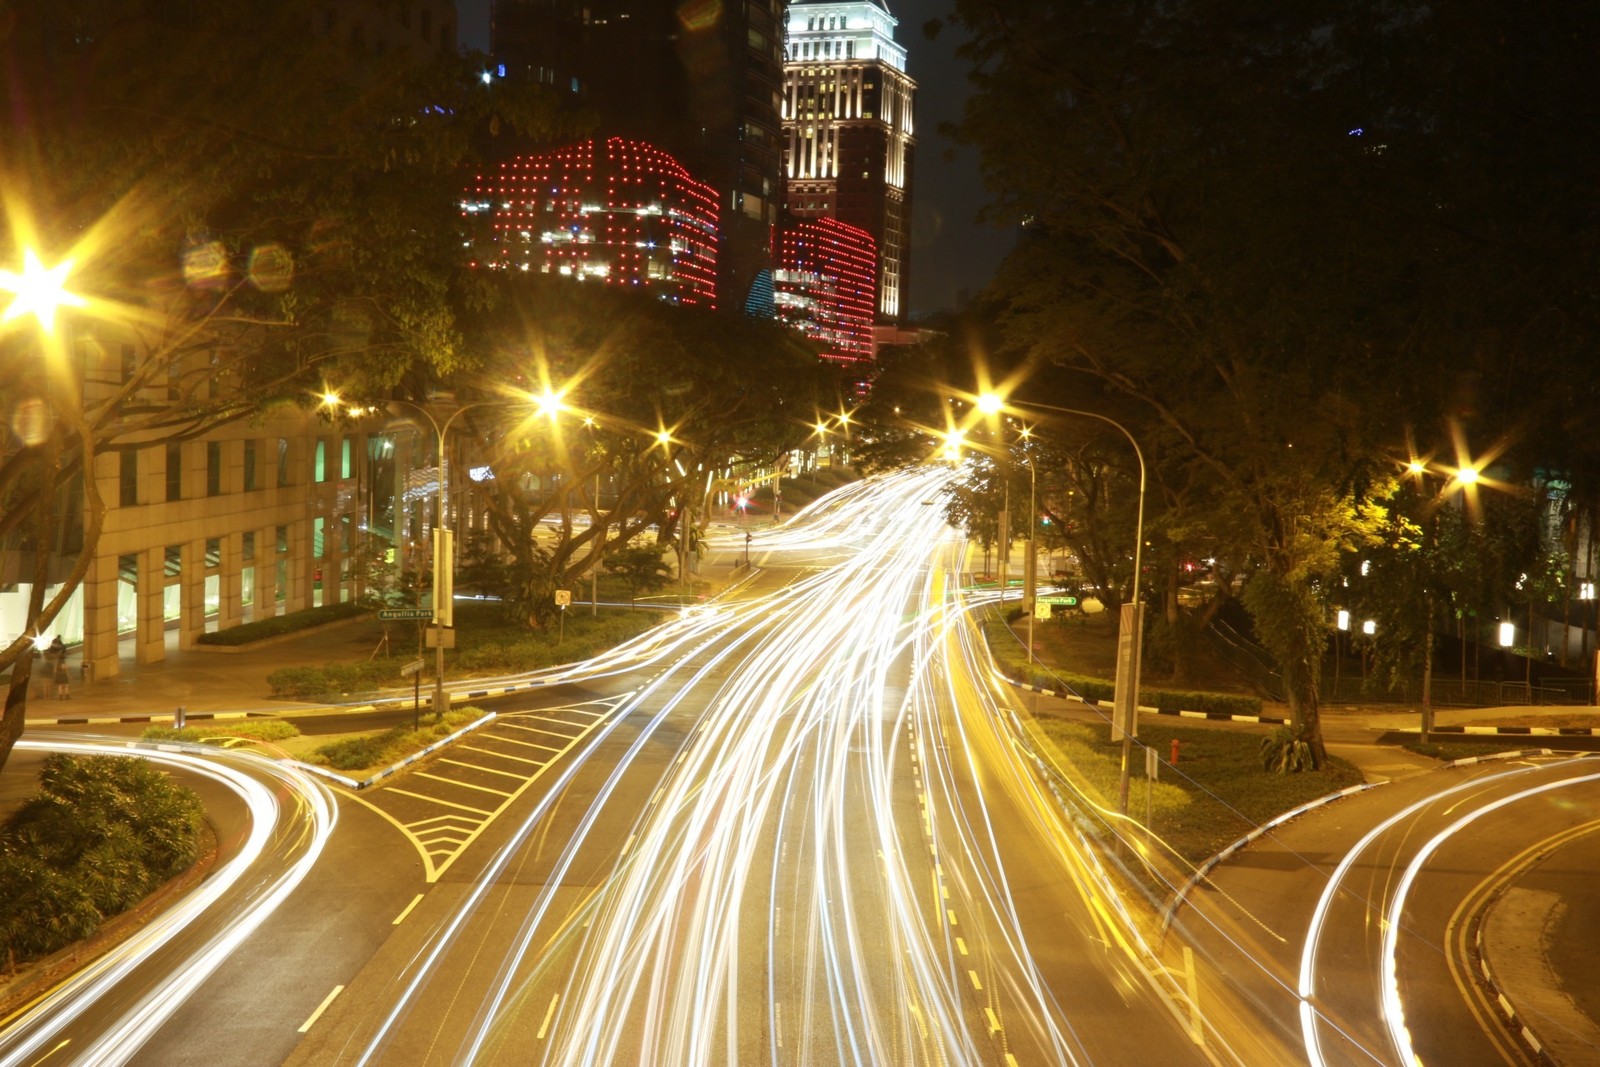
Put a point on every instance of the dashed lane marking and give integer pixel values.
(321, 1008)
(398, 919)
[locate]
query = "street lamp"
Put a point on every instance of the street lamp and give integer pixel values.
(1467, 475)
(443, 538)
(1127, 702)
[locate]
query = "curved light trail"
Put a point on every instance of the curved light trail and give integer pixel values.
(824, 865)
(291, 818)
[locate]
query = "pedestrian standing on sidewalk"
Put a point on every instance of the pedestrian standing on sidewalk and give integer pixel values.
(58, 652)
(54, 652)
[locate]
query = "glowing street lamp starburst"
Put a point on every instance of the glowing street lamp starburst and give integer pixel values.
(39, 290)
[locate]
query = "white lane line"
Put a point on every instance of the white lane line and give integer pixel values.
(321, 1008)
(398, 919)
(549, 1013)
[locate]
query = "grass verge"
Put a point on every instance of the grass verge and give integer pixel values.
(228, 734)
(1216, 794)
(486, 644)
(361, 754)
(1454, 750)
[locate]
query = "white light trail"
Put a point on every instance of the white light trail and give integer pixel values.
(309, 807)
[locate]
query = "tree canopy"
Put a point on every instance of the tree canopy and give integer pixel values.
(1289, 241)
(250, 204)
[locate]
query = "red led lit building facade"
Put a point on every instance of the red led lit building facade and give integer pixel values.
(618, 211)
(826, 286)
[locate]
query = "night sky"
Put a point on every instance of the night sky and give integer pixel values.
(952, 254)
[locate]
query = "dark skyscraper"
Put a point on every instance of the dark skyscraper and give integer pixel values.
(847, 117)
(701, 79)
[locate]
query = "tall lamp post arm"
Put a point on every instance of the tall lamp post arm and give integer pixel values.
(1132, 702)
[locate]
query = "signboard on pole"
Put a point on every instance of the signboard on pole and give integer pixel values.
(1125, 716)
(563, 597)
(411, 668)
(439, 637)
(405, 613)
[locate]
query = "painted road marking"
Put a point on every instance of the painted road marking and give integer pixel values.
(394, 789)
(398, 919)
(549, 1013)
(479, 767)
(463, 785)
(321, 1008)
(505, 755)
(975, 983)
(441, 839)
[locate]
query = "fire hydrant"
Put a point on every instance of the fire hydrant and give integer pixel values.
(1174, 751)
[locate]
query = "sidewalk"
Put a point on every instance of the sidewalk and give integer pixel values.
(204, 682)
(208, 683)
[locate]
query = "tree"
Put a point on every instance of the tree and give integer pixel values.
(730, 394)
(641, 566)
(1275, 231)
(247, 244)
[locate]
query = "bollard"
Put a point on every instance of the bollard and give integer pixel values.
(1174, 751)
(177, 718)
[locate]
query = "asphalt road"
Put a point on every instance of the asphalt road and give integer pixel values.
(791, 841)
(1362, 917)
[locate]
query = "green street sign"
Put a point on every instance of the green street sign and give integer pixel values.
(1060, 601)
(405, 613)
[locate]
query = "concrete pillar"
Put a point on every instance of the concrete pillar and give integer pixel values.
(301, 566)
(99, 650)
(150, 644)
(266, 572)
(230, 612)
(192, 594)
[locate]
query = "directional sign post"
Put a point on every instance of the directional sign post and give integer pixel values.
(414, 668)
(563, 598)
(405, 613)
(1060, 601)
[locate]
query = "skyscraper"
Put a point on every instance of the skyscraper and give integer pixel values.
(848, 124)
(699, 79)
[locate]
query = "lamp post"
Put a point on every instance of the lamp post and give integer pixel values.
(1466, 476)
(41, 291)
(443, 537)
(1127, 702)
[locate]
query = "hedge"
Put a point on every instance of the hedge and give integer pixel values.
(278, 625)
(101, 835)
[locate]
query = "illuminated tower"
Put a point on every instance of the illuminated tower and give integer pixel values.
(847, 118)
(618, 211)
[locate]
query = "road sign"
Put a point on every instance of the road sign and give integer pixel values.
(563, 597)
(439, 637)
(405, 613)
(411, 668)
(1060, 601)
